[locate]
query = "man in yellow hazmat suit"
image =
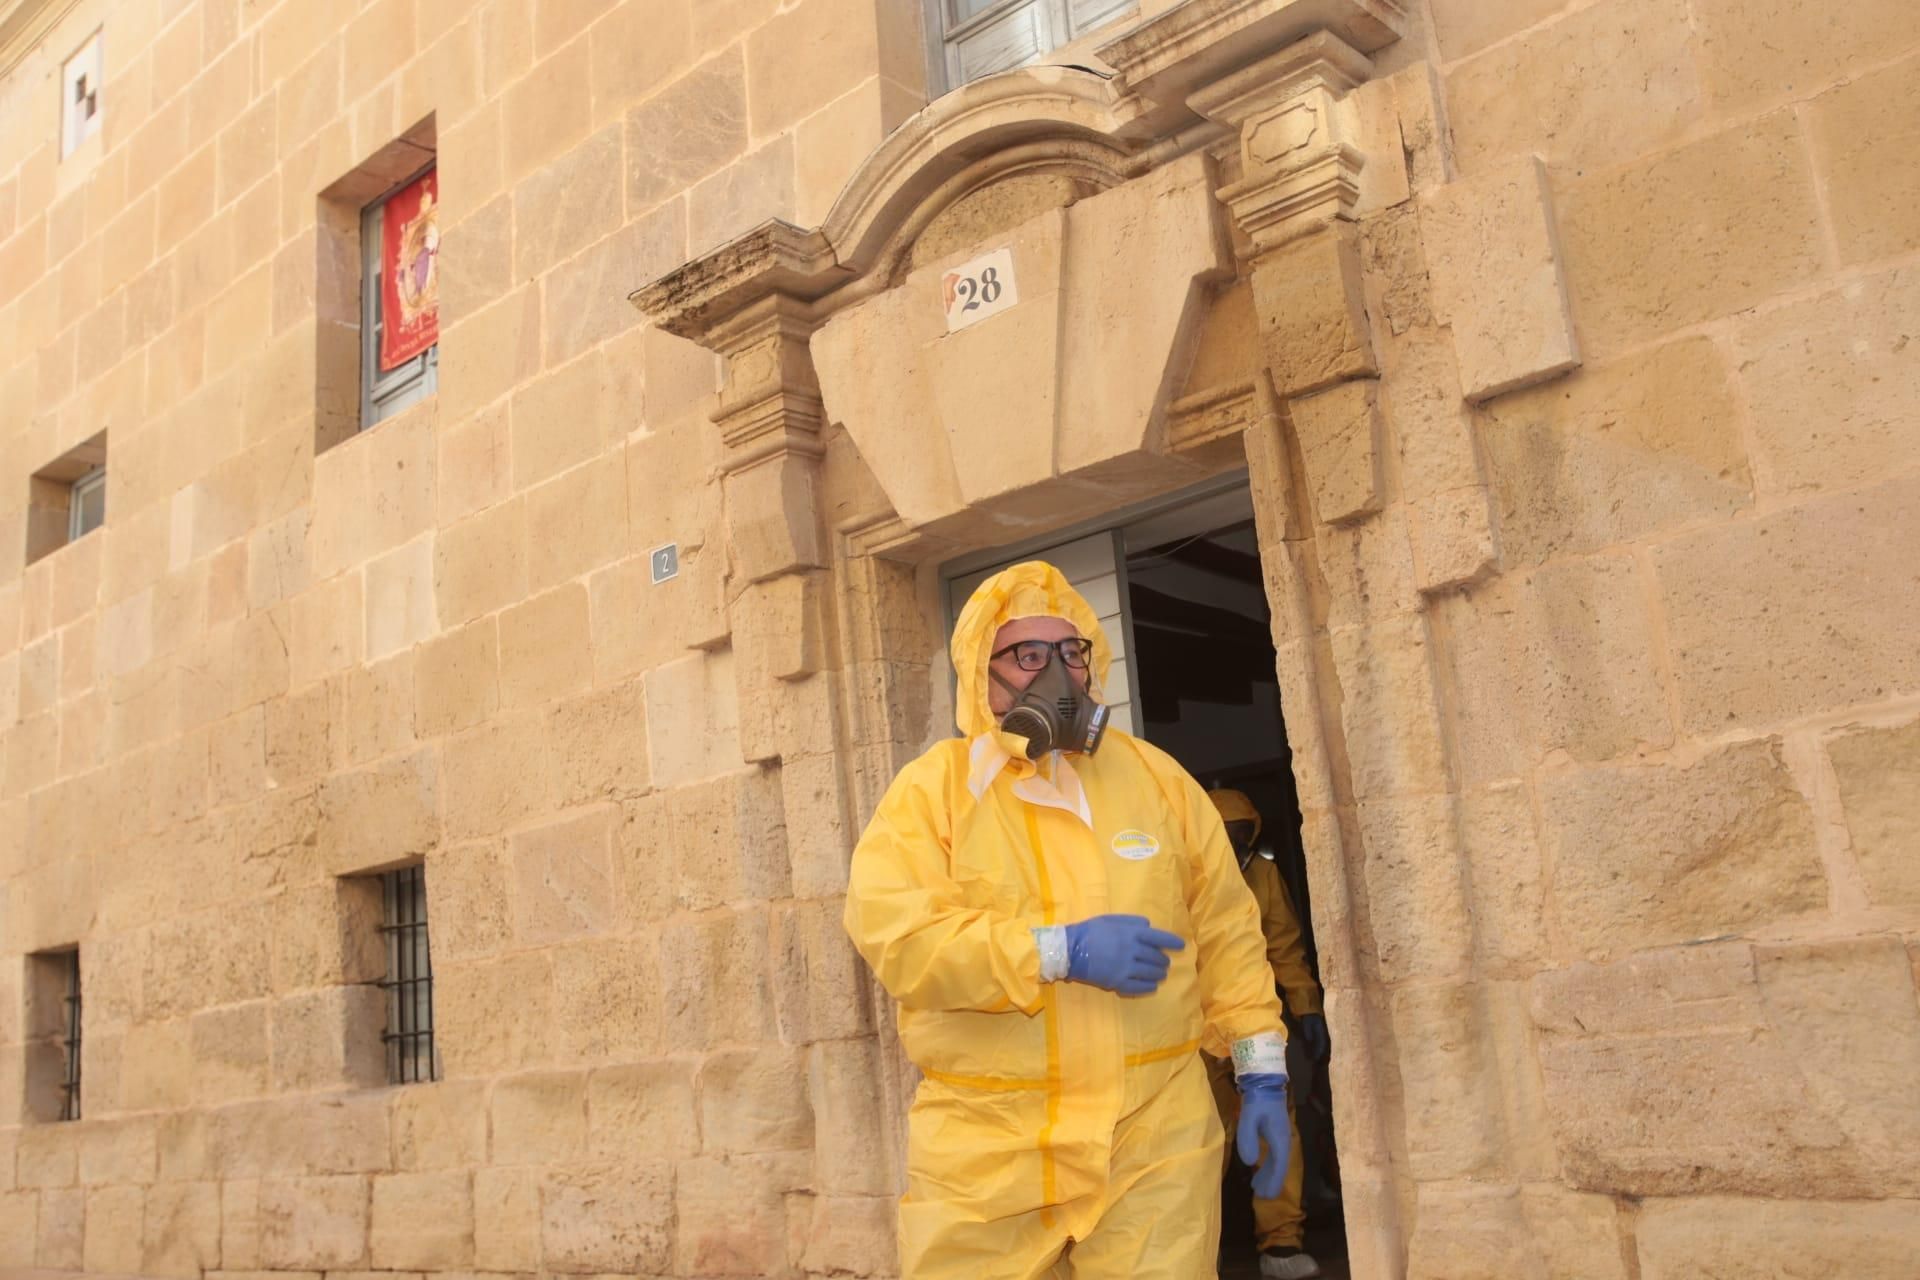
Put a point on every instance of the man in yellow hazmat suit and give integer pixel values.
(1058, 912)
(1278, 1221)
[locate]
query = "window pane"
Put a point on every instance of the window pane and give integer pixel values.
(1012, 41)
(89, 505)
(1085, 15)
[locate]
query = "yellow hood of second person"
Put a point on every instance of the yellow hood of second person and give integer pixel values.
(1033, 589)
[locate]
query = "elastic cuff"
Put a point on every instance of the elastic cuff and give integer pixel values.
(1052, 941)
(1264, 1054)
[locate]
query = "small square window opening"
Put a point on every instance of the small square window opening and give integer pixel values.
(67, 498)
(80, 98)
(411, 1055)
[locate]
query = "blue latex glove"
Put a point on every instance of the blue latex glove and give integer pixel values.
(1263, 1120)
(1119, 953)
(1313, 1035)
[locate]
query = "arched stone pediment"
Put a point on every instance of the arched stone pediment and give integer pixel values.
(1057, 120)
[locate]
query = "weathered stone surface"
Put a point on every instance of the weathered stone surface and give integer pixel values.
(379, 815)
(601, 1218)
(540, 1118)
(714, 978)
(599, 743)
(567, 205)
(1339, 430)
(1785, 662)
(1416, 895)
(1854, 129)
(1645, 855)
(1591, 88)
(545, 652)
(422, 1220)
(498, 777)
(230, 1052)
(754, 1100)
(181, 1231)
(1397, 751)
(1879, 775)
(113, 1228)
(693, 719)
(646, 1109)
(1697, 1238)
(608, 999)
(480, 563)
(63, 1228)
(688, 130)
(442, 1125)
(1683, 1072)
(1553, 660)
(1464, 27)
(851, 1138)
(1493, 255)
(563, 877)
(313, 1222)
(457, 679)
(506, 1217)
(730, 1213)
(1677, 239)
(496, 1014)
(468, 901)
(1473, 1231)
(1616, 452)
(1828, 383)
(727, 840)
(329, 1038)
(1504, 868)
(1759, 51)
(1313, 321)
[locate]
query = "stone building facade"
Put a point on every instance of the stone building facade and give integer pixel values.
(1563, 349)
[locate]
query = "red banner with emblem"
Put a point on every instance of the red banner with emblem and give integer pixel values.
(410, 272)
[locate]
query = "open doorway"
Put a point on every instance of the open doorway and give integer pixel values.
(1205, 691)
(1178, 587)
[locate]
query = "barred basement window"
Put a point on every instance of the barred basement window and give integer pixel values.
(53, 1036)
(411, 1055)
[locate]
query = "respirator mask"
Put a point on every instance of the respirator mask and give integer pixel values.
(1053, 713)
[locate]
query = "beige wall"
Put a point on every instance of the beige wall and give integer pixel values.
(1602, 684)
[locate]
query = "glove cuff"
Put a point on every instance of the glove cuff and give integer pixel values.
(1052, 941)
(1264, 1054)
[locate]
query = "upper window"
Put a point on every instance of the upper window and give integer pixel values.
(87, 505)
(980, 37)
(67, 498)
(80, 96)
(399, 298)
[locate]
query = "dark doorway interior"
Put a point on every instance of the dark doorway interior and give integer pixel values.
(1205, 692)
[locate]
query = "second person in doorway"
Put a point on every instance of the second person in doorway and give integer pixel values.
(1278, 1222)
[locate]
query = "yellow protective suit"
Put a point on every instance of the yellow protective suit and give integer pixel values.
(1060, 1128)
(1281, 1220)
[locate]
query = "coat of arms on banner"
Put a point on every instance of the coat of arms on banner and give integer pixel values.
(409, 272)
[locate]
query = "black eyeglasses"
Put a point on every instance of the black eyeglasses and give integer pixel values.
(1032, 655)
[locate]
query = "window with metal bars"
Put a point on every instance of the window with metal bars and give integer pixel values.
(411, 1055)
(70, 1044)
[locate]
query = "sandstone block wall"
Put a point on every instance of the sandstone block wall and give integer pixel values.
(1595, 474)
(292, 658)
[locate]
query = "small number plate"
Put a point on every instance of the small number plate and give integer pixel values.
(666, 562)
(978, 289)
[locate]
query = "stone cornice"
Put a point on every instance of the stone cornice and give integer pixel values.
(1106, 130)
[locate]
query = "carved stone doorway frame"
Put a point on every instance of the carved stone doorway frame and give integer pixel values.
(1223, 163)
